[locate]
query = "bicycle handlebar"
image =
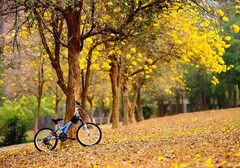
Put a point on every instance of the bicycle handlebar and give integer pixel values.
(78, 103)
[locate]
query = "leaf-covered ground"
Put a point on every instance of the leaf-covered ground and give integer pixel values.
(201, 139)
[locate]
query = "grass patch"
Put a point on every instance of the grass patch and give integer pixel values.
(1, 141)
(30, 136)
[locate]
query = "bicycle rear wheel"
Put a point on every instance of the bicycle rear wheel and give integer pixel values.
(45, 140)
(89, 134)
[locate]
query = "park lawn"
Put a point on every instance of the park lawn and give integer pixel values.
(200, 139)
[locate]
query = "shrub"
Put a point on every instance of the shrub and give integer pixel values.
(14, 131)
(148, 110)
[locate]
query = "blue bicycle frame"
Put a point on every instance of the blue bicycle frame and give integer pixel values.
(67, 126)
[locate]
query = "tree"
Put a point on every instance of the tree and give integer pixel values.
(108, 22)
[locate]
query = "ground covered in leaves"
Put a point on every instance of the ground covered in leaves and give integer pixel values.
(201, 139)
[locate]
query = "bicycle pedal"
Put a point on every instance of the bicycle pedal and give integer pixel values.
(72, 138)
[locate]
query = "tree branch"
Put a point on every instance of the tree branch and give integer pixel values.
(54, 61)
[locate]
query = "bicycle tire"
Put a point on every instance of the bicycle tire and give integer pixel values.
(89, 137)
(45, 144)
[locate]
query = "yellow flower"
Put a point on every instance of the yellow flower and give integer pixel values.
(183, 165)
(111, 52)
(214, 81)
(228, 38)
(209, 163)
(89, 41)
(225, 19)
(117, 9)
(134, 63)
(160, 158)
(128, 56)
(149, 61)
(227, 46)
(198, 155)
(133, 50)
(47, 16)
(110, 4)
(235, 28)
(140, 55)
(154, 66)
(106, 66)
(219, 12)
(146, 67)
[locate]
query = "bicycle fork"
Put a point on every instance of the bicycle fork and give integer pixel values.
(86, 129)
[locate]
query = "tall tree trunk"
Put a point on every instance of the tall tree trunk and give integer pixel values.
(238, 85)
(171, 111)
(115, 76)
(136, 92)
(109, 117)
(230, 94)
(178, 107)
(132, 118)
(234, 95)
(57, 101)
(132, 102)
(200, 101)
(161, 108)
(86, 81)
(115, 107)
(139, 107)
(39, 94)
(37, 115)
(73, 88)
(126, 104)
(102, 111)
(86, 86)
(90, 100)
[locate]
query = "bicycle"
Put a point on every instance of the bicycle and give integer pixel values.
(87, 134)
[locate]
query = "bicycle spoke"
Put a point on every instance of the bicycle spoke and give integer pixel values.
(89, 134)
(44, 140)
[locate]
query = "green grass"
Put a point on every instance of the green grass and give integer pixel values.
(1, 141)
(30, 136)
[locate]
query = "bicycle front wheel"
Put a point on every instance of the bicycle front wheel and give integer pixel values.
(89, 134)
(45, 140)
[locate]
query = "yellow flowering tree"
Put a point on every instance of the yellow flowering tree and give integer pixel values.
(33, 59)
(188, 39)
(144, 24)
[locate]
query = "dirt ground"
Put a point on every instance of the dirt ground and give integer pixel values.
(200, 139)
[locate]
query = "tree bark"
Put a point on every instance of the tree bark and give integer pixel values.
(126, 104)
(57, 101)
(73, 87)
(132, 118)
(109, 117)
(230, 94)
(139, 107)
(90, 100)
(115, 76)
(102, 112)
(39, 94)
(37, 114)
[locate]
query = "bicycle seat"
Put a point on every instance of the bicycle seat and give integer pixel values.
(55, 120)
